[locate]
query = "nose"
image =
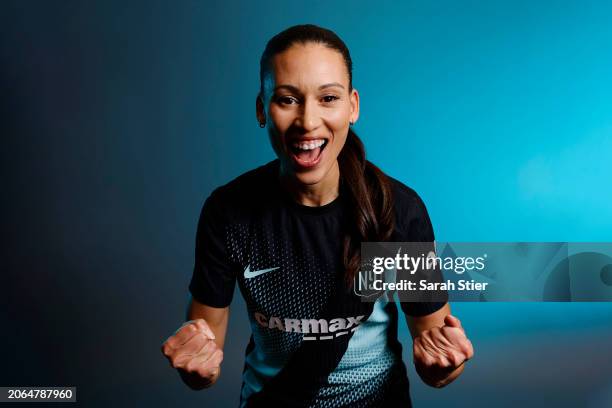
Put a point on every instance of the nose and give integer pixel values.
(310, 117)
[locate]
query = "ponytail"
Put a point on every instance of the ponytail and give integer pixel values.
(371, 202)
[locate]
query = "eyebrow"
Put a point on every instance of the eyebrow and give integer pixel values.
(294, 89)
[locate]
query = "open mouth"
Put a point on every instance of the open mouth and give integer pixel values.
(307, 153)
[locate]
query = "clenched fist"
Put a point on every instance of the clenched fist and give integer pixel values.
(193, 351)
(439, 351)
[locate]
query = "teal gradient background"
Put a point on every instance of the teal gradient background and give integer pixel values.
(119, 118)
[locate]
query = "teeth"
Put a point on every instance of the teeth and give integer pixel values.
(313, 144)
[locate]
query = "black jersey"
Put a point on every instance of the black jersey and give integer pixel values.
(310, 346)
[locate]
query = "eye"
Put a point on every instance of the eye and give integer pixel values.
(330, 98)
(286, 100)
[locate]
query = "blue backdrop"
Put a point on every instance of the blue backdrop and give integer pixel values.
(119, 118)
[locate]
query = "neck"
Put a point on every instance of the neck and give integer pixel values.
(313, 195)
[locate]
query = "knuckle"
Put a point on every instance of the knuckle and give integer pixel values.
(206, 373)
(436, 334)
(467, 349)
(448, 331)
(184, 328)
(201, 323)
(170, 341)
(209, 345)
(191, 366)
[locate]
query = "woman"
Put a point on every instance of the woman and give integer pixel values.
(290, 231)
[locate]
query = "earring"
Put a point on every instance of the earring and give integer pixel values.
(351, 123)
(262, 124)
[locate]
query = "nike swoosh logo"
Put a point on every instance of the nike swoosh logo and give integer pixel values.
(248, 274)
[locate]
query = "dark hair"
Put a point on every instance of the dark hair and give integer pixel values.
(370, 190)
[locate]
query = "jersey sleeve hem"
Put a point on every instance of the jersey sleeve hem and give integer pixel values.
(207, 300)
(420, 309)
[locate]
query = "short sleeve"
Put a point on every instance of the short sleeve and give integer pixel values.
(414, 225)
(213, 279)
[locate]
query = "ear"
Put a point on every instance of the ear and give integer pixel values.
(354, 98)
(260, 110)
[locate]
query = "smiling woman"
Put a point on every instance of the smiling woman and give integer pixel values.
(311, 104)
(289, 232)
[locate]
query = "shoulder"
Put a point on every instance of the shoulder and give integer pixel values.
(406, 199)
(234, 201)
(245, 188)
(411, 215)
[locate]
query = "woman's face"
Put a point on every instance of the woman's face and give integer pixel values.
(307, 107)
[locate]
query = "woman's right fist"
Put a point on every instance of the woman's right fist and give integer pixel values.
(192, 349)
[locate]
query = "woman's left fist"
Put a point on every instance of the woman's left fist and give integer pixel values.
(439, 351)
